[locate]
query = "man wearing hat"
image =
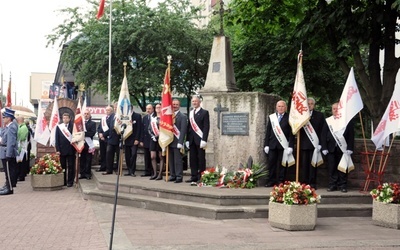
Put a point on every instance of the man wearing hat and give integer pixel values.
(9, 150)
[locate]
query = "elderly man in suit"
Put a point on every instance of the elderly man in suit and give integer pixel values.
(198, 129)
(175, 156)
(88, 150)
(310, 144)
(278, 144)
(65, 149)
(113, 140)
(330, 147)
(9, 151)
(145, 141)
(132, 144)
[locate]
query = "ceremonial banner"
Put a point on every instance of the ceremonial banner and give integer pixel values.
(8, 100)
(350, 102)
(299, 113)
(78, 133)
(166, 121)
(42, 132)
(123, 114)
(54, 121)
(390, 122)
(101, 9)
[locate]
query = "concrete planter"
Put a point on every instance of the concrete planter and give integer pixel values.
(47, 182)
(386, 214)
(292, 217)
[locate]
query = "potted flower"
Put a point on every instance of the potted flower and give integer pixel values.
(386, 205)
(47, 173)
(293, 206)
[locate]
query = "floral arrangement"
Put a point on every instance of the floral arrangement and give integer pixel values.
(240, 178)
(47, 164)
(294, 193)
(387, 193)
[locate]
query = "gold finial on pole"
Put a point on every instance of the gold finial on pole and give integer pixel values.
(125, 63)
(169, 58)
(81, 87)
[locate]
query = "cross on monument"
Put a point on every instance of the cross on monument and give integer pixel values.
(221, 13)
(219, 109)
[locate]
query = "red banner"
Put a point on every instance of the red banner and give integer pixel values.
(166, 122)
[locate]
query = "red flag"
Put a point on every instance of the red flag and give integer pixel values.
(78, 133)
(166, 123)
(54, 121)
(8, 101)
(101, 9)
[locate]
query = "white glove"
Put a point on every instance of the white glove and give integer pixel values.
(349, 152)
(203, 144)
(289, 151)
(266, 149)
(187, 144)
(325, 152)
(319, 147)
(153, 138)
(179, 145)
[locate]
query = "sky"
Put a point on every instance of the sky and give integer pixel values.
(24, 25)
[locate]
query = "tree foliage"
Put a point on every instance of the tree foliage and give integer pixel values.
(141, 36)
(336, 34)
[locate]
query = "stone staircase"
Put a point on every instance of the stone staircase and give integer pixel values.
(210, 202)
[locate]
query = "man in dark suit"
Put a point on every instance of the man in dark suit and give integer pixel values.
(65, 149)
(307, 148)
(113, 140)
(103, 140)
(175, 147)
(273, 145)
(198, 129)
(88, 150)
(330, 148)
(132, 144)
(145, 141)
(9, 151)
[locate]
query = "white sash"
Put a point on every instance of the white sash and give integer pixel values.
(194, 125)
(154, 127)
(346, 161)
(176, 132)
(104, 125)
(64, 130)
(286, 159)
(316, 159)
(90, 143)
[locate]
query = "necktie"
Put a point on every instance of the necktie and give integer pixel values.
(279, 117)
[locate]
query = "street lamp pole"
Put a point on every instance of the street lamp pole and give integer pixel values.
(1, 97)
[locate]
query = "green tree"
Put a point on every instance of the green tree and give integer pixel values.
(141, 36)
(359, 34)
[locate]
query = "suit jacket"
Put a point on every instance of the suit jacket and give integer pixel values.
(270, 139)
(111, 135)
(202, 119)
(317, 120)
(181, 123)
(328, 141)
(63, 145)
(90, 130)
(145, 137)
(136, 129)
(9, 138)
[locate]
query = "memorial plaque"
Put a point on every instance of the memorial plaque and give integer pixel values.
(235, 124)
(216, 67)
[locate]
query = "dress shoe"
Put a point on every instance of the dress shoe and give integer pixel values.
(159, 178)
(106, 173)
(171, 179)
(101, 170)
(21, 178)
(271, 184)
(88, 177)
(153, 177)
(331, 189)
(6, 191)
(178, 181)
(344, 190)
(82, 177)
(133, 175)
(144, 175)
(191, 180)
(69, 185)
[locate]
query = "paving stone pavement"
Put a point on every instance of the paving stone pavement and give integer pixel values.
(44, 220)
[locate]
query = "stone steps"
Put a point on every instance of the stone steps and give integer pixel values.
(209, 202)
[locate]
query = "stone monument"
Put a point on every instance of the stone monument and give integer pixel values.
(237, 119)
